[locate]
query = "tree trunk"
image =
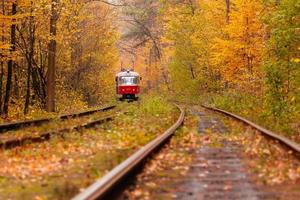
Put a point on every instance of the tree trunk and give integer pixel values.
(50, 97)
(10, 64)
(31, 31)
(2, 63)
(1, 85)
(38, 77)
(192, 71)
(227, 10)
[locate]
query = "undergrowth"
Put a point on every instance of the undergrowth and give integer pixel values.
(252, 107)
(154, 105)
(256, 109)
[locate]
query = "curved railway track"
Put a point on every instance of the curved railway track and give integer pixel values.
(283, 140)
(110, 181)
(25, 123)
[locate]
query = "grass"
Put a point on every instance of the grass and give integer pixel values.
(155, 105)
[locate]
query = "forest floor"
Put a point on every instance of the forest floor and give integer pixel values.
(64, 165)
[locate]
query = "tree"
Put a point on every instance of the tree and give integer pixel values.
(50, 97)
(10, 62)
(141, 40)
(282, 59)
(238, 53)
(191, 28)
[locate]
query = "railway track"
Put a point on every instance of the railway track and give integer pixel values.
(217, 171)
(110, 182)
(213, 167)
(21, 124)
(283, 140)
(12, 142)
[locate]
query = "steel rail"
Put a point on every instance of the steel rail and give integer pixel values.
(287, 142)
(42, 136)
(101, 187)
(25, 123)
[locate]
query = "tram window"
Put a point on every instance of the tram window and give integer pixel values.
(126, 80)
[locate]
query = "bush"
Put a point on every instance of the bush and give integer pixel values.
(244, 104)
(155, 105)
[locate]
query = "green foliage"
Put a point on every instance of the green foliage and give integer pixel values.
(276, 102)
(190, 30)
(155, 105)
(237, 102)
(181, 79)
(282, 61)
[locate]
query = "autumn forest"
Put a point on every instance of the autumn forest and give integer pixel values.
(178, 99)
(62, 55)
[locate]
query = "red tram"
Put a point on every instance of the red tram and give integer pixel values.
(127, 84)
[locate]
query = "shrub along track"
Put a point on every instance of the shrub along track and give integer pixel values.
(12, 138)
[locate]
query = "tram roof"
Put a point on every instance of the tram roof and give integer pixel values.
(127, 73)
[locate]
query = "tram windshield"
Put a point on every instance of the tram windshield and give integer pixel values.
(128, 80)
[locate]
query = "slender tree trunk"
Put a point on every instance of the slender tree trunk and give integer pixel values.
(30, 59)
(192, 71)
(227, 10)
(1, 85)
(2, 63)
(50, 97)
(10, 64)
(15, 84)
(27, 98)
(38, 77)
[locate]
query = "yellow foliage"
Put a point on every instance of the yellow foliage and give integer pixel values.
(238, 54)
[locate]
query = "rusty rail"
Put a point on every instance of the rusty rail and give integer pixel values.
(287, 142)
(101, 187)
(25, 123)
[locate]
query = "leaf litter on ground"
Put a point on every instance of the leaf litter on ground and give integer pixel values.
(66, 164)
